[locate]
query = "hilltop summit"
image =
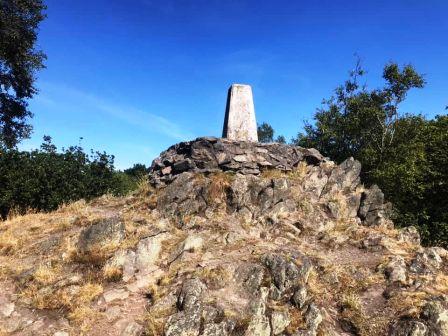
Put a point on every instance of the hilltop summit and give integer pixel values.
(226, 238)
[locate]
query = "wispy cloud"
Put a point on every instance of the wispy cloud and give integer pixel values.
(132, 116)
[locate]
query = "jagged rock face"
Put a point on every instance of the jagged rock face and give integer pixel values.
(214, 251)
(176, 170)
(208, 154)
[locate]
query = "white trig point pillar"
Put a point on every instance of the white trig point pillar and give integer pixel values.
(239, 122)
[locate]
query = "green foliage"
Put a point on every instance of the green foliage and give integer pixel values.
(43, 179)
(266, 134)
(137, 170)
(406, 155)
(280, 139)
(19, 61)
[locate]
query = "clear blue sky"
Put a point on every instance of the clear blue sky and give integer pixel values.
(133, 77)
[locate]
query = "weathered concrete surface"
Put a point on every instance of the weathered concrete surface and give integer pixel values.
(240, 123)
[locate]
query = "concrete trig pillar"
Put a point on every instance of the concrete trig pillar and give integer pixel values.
(239, 121)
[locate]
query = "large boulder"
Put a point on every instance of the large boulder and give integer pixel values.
(100, 239)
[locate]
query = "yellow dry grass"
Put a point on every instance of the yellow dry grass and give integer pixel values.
(112, 273)
(47, 274)
(408, 303)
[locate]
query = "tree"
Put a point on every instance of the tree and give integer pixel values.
(406, 155)
(359, 122)
(265, 133)
(45, 178)
(280, 139)
(19, 62)
(137, 170)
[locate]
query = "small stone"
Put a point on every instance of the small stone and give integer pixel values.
(6, 308)
(408, 328)
(61, 333)
(240, 158)
(279, 321)
(409, 234)
(395, 270)
(167, 170)
(313, 318)
(184, 323)
(132, 329)
(125, 260)
(427, 261)
(299, 297)
(258, 326)
(112, 313)
(192, 243)
(219, 329)
(437, 316)
(115, 294)
(147, 253)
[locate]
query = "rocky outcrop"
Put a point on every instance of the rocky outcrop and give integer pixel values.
(236, 239)
(208, 155)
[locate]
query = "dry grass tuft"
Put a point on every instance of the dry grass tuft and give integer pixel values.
(353, 314)
(88, 293)
(8, 243)
(299, 172)
(112, 273)
(47, 274)
(96, 255)
(297, 321)
(215, 277)
(219, 183)
(408, 303)
(154, 325)
(272, 174)
(84, 317)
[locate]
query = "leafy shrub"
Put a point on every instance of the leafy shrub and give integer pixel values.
(44, 178)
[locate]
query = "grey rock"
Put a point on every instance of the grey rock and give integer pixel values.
(115, 294)
(284, 273)
(107, 232)
(279, 321)
(258, 326)
(373, 242)
(61, 333)
(6, 306)
(409, 234)
(299, 297)
(344, 177)
(184, 323)
(190, 294)
(426, 262)
(250, 276)
(125, 260)
(371, 210)
(133, 329)
(182, 166)
(211, 154)
(315, 182)
(147, 253)
(313, 318)
(408, 328)
(436, 316)
(395, 269)
(223, 328)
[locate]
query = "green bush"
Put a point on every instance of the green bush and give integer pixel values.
(43, 179)
(406, 155)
